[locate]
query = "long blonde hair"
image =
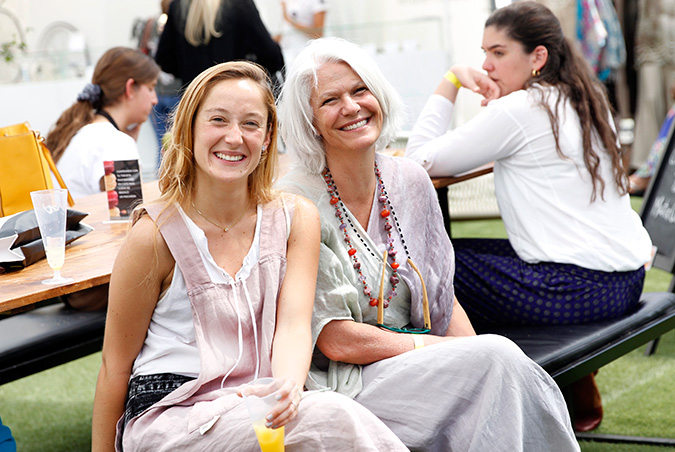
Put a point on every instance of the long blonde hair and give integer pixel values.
(201, 21)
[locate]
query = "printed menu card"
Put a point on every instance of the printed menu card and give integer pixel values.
(122, 182)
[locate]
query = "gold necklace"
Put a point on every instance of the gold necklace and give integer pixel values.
(224, 228)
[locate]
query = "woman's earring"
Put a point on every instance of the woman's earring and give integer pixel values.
(264, 148)
(536, 72)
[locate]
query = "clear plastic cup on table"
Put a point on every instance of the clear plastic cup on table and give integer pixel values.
(50, 208)
(261, 396)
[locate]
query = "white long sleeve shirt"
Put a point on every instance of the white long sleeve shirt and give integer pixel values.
(544, 200)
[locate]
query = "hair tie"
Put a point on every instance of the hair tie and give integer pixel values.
(90, 93)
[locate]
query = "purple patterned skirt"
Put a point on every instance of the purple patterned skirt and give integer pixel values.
(496, 287)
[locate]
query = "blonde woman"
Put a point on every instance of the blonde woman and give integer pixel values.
(200, 33)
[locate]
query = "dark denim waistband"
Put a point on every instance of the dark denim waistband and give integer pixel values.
(146, 390)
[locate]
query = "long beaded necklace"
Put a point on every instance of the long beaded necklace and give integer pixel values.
(386, 213)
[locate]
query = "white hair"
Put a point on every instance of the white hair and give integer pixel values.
(296, 117)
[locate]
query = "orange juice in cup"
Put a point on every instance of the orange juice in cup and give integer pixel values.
(261, 397)
(270, 440)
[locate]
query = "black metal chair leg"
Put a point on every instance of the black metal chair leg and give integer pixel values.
(445, 210)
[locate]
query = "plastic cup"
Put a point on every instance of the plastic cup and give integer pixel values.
(260, 396)
(50, 208)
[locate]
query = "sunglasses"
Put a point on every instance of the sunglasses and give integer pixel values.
(425, 302)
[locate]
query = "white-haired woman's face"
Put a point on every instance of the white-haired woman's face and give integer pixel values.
(346, 114)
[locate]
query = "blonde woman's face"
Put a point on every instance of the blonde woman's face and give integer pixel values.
(230, 129)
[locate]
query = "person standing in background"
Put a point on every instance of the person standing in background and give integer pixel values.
(655, 61)
(639, 180)
(201, 33)
(303, 20)
(168, 87)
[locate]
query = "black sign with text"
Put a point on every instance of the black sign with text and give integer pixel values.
(658, 208)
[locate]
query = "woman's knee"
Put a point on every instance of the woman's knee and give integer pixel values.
(497, 351)
(317, 404)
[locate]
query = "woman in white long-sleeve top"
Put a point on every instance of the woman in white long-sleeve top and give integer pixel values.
(576, 249)
(559, 181)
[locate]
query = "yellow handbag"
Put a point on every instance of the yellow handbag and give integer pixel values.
(25, 165)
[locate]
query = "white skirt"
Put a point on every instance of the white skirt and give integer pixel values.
(469, 394)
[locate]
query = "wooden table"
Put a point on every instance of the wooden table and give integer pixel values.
(442, 183)
(89, 259)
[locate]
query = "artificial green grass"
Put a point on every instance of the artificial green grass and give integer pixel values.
(625, 383)
(51, 411)
(590, 446)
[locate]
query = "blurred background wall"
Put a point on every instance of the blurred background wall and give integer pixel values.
(48, 48)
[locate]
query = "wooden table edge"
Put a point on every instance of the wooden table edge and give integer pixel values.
(440, 182)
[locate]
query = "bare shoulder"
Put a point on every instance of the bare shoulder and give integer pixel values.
(303, 207)
(143, 233)
(145, 246)
(306, 222)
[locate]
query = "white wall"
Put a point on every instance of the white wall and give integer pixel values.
(461, 20)
(105, 23)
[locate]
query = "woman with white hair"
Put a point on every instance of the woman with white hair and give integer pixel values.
(387, 329)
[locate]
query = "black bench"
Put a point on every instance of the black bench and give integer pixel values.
(568, 353)
(45, 337)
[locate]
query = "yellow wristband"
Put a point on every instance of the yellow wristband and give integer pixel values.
(418, 340)
(452, 78)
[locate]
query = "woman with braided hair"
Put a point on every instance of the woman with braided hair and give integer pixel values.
(104, 122)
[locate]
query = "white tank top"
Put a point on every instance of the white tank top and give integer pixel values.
(170, 345)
